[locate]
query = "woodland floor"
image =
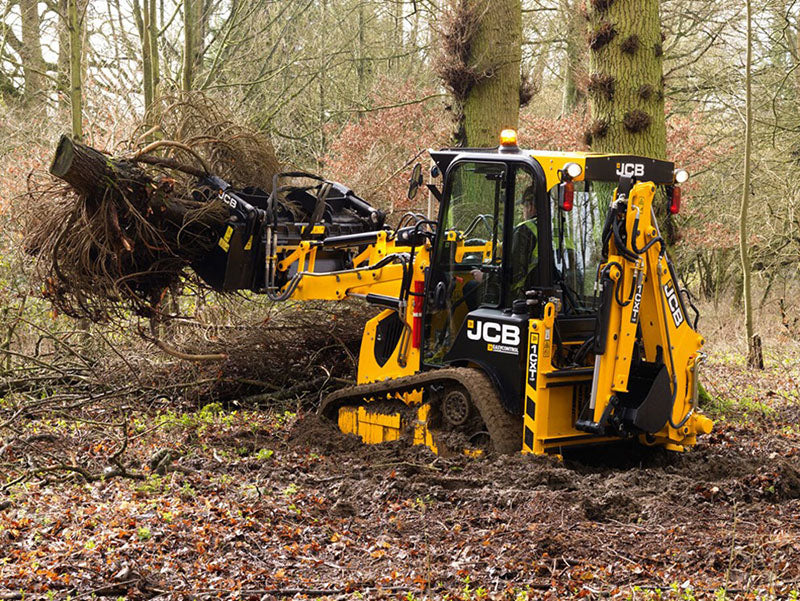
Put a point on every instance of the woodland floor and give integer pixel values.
(257, 505)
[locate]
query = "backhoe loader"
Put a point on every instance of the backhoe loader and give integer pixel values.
(538, 312)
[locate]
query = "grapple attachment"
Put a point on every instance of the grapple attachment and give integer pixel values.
(261, 225)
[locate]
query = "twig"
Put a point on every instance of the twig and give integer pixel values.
(171, 143)
(76, 469)
(288, 592)
(286, 393)
(733, 547)
(110, 589)
(170, 164)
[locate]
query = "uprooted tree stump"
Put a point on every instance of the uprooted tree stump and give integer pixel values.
(120, 235)
(90, 171)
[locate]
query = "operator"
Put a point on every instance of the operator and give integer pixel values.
(524, 255)
(524, 247)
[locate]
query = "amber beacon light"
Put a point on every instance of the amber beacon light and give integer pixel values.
(508, 138)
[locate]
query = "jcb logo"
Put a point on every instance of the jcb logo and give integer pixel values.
(673, 303)
(229, 200)
(493, 333)
(630, 169)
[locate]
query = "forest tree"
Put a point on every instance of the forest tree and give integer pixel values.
(626, 86)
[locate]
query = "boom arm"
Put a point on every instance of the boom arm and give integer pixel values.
(381, 268)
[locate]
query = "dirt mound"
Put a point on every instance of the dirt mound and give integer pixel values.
(316, 432)
(612, 506)
(624, 484)
(636, 508)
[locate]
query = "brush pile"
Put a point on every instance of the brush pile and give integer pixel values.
(114, 233)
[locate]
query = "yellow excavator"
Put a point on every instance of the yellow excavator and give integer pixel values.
(538, 312)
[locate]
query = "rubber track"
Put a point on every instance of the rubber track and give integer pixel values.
(505, 429)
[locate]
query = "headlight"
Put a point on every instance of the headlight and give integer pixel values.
(573, 170)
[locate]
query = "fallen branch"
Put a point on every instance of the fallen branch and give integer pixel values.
(169, 164)
(187, 356)
(88, 476)
(287, 393)
(172, 144)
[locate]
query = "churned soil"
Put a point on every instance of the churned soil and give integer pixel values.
(259, 507)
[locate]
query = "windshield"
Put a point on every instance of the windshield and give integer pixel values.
(577, 243)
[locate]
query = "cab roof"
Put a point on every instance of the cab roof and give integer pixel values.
(595, 166)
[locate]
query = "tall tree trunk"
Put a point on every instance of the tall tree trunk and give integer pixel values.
(398, 33)
(492, 104)
(141, 12)
(200, 14)
(797, 51)
(754, 355)
(188, 46)
(74, 22)
(74, 18)
(322, 97)
(153, 39)
(626, 86)
(414, 42)
(793, 43)
(32, 61)
(63, 54)
(361, 55)
(572, 61)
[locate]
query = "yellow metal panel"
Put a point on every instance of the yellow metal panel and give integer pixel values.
(390, 434)
(373, 428)
(556, 444)
(552, 162)
(538, 396)
(389, 421)
(348, 420)
(531, 379)
(560, 419)
(462, 249)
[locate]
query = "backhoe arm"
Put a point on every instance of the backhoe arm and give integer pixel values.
(647, 353)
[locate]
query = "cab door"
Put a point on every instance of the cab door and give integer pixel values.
(467, 268)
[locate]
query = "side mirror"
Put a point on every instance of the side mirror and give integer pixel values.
(415, 181)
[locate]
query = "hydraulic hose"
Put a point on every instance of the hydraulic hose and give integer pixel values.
(635, 234)
(620, 243)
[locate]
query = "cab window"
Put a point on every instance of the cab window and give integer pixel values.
(524, 256)
(577, 246)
